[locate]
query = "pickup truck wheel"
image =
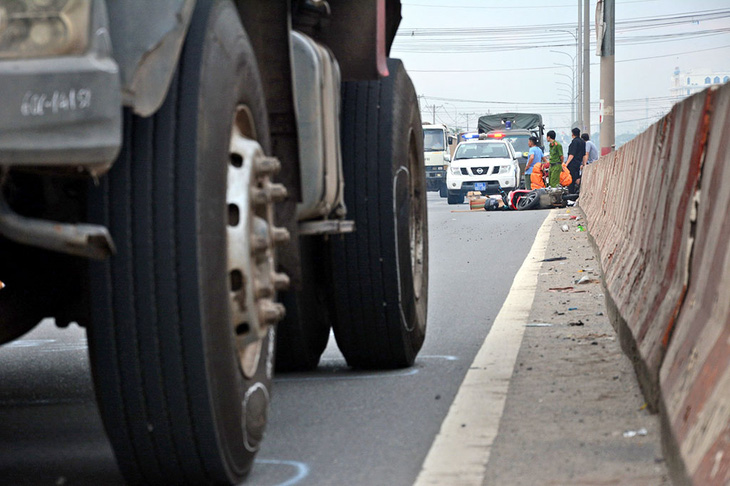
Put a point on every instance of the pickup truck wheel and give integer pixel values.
(455, 198)
(380, 272)
(182, 338)
(443, 192)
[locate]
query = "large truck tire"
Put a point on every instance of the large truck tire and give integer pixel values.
(380, 272)
(302, 336)
(182, 378)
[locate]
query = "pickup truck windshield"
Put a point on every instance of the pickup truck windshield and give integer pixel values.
(481, 151)
(433, 140)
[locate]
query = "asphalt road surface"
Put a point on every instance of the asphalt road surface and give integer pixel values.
(329, 427)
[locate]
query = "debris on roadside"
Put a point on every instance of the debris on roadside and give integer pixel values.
(564, 228)
(538, 324)
(579, 323)
(633, 433)
(569, 290)
(476, 201)
(554, 259)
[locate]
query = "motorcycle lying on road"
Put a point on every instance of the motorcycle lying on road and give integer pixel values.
(523, 199)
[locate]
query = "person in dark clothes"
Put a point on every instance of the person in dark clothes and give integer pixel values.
(576, 159)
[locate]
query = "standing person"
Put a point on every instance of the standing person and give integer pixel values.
(576, 159)
(535, 156)
(591, 149)
(556, 159)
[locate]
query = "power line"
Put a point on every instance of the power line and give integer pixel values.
(476, 45)
(469, 40)
(511, 7)
(554, 67)
(658, 99)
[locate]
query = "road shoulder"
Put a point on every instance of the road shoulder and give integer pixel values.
(574, 412)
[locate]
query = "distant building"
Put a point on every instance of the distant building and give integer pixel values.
(685, 83)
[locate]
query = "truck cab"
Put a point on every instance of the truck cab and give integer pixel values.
(518, 138)
(516, 128)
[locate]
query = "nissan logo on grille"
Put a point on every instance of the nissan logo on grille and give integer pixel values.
(480, 171)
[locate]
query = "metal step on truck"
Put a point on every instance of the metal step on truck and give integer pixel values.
(204, 185)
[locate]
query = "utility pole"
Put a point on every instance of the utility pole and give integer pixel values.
(579, 62)
(587, 70)
(606, 39)
(434, 115)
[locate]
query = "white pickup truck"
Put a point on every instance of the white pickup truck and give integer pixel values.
(488, 166)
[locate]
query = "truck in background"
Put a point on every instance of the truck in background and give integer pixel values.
(436, 156)
(516, 128)
(169, 177)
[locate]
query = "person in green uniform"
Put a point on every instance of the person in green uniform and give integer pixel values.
(556, 159)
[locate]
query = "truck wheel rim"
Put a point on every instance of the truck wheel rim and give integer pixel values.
(251, 240)
(415, 222)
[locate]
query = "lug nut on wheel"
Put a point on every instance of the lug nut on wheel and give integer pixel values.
(281, 281)
(280, 235)
(271, 312)
(277, 192)
(267, 166)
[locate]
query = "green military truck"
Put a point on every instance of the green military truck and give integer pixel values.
(516, 128)
(204, 185)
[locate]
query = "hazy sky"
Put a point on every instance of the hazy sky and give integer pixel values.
(502, 43)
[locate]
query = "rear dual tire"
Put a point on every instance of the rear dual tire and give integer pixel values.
(379, 273)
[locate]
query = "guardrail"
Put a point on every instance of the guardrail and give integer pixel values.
(658, 211)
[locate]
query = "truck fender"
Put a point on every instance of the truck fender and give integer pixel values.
(147, 38)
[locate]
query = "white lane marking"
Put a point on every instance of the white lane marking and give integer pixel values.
(447, 357)
(29, 343)
(302, 470)
(48, 345)
(440, 356)
(349, 377)
(460, 451)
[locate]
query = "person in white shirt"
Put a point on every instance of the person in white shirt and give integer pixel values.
(591, 149)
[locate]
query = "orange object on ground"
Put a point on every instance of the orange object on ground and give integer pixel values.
(536, 179)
